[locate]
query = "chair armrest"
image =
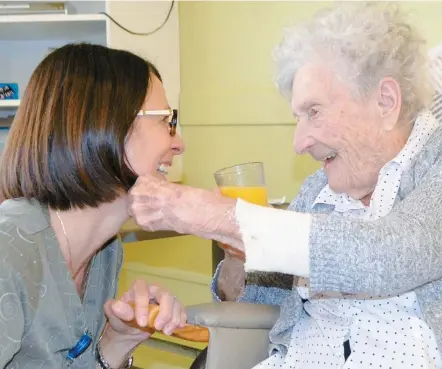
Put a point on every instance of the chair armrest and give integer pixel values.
(239, 333)
(233, 315)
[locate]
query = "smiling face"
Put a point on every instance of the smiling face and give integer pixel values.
(149, 147)
(354, 139)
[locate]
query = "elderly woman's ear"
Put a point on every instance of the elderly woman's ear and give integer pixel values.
(389, 99)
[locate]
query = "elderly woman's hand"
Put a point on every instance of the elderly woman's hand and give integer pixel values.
(156, 204)
(231, 279)
(119, 337)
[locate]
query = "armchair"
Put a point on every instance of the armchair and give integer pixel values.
(239, 333)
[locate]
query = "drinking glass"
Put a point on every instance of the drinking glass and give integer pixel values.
(245, 181)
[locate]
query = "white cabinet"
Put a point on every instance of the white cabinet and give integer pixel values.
(26, 39)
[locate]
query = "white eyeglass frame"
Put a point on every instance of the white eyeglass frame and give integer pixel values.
(165, 112)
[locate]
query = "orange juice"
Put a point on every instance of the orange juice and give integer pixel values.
(256, 195)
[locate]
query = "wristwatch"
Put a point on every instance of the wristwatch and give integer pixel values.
(102, 362)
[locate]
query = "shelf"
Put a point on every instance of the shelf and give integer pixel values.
(50, 26)
(6, 104)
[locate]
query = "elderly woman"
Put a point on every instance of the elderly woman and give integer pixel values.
(363, 237)
(91, 120)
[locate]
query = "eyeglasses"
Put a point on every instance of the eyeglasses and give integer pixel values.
(167, 113)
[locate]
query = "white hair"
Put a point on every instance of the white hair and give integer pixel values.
(365, 42)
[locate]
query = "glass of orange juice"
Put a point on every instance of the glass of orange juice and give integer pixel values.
(245, 181)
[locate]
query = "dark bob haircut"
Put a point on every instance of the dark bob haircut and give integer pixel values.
(65, 148)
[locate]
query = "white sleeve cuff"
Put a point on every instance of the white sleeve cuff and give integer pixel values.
(274, 240)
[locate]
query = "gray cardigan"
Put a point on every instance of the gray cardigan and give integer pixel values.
(394, 254)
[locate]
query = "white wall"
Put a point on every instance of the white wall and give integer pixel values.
(161, 48)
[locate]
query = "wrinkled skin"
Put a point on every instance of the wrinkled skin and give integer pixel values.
(156, 204)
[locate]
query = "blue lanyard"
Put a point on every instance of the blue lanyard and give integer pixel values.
(80, 347)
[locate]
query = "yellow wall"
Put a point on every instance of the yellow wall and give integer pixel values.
(230, 110)
(227, 95)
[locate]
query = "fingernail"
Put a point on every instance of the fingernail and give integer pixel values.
(169, 329)
(119, 307)
(159, 324)
(142, 321)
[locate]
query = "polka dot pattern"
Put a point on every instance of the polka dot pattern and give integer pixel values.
(387, 332)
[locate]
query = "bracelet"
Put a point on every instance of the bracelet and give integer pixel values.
(102, 362)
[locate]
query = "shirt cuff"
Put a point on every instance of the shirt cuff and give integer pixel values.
(274, 240)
